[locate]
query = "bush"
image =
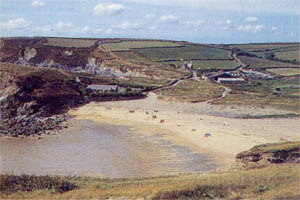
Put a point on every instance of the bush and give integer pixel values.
(29, 183)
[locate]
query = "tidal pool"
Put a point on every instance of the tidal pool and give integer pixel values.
(100, 150)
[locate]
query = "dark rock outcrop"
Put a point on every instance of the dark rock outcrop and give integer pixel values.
(287, 152)
(32, 100)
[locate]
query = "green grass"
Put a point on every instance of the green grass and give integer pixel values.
(273, 182)
(285, 71)
(279, 93)
(186, 53)
(131, 55)
(264, 63)
(286, 146)
(210, 64)
(264, 46)
(191, 91)
(127, 45)
(29, 183)
(69, 42)
(288, 55)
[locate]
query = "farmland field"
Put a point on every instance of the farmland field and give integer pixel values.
(263, 63)
(65, 42)
(210, 64)
(189, 91)
(130, 55)
(127, 45)
(279, 93)
(288, 55)
(285, 71)
(186, 53)
(264, 47)
(283, 54)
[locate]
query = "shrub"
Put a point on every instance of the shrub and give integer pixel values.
(29, 183)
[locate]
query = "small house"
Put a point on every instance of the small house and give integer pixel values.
(231, 80)
(103, 88)
(215, 76)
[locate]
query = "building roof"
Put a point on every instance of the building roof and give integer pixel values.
(231, 79)
(218, 75)
(102, 87)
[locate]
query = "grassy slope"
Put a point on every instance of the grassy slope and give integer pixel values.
(126, 45)
(191, 91)
(149, 59)
(264, 46)
(209, 64)
(273, 182)
(285, 71)
(263, 93)
(69, 42)
(187, 52)
(263, 63)
(289, 55)
(249, 94)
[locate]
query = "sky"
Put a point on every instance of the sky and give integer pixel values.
(203, 21)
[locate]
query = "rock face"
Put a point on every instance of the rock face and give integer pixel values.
(288, 152)
(1, 44)
(30, 96)
(29, 53)
(36, 52)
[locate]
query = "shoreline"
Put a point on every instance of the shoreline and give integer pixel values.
(228, 136)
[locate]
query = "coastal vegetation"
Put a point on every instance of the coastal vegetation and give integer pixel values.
(188, 91)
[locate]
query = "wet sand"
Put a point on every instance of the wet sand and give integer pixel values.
(95, 149)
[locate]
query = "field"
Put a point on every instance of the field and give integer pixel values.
(288, 55)
(209, 64)
(285, 71)
(273, 182)
(131, 55)
(279, 93)
(264, 47)
(264, 63)
(127, 45)
(186, 53)
(191, 91)
(65, 42)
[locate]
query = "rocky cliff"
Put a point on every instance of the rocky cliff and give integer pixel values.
(28, 95)
(261, 155)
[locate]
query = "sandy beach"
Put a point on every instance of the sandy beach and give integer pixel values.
(194, 125)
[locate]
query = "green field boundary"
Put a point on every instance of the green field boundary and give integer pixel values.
(194, 59)
(140, 48)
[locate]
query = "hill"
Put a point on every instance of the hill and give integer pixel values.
(43, 76)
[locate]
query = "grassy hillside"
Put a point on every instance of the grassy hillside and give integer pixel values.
(153, 63)
(127, 45)
(285, 71)
(191, 91)
(280, 93)
(265, 46)
(264, 63)
(187, 52)
(208, 64)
